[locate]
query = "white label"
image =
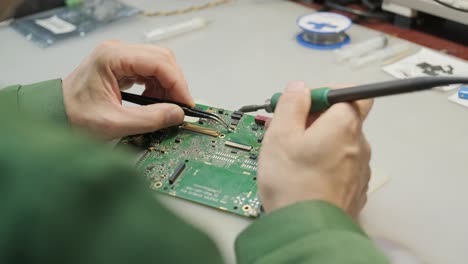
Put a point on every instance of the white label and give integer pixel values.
(56, 25)
(324, 22)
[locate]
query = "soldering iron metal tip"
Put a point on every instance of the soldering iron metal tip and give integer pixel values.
(251, 108)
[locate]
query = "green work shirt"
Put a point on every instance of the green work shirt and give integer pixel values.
(68, 198)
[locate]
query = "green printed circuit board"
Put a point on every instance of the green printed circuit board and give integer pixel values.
(203, 162)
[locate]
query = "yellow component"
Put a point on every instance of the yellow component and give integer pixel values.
(223, 208)
(201, 130)
(188, 9)
(151, 149)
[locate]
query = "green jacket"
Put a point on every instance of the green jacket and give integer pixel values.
(66, 198)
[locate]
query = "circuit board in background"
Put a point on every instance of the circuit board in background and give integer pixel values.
(204, 163)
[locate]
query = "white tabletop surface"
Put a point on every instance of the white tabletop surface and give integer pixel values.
(247, 53)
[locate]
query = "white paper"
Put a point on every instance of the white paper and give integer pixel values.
(56, 25)
(429, 60)
(454, 98)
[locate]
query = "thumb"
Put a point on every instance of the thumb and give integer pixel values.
(292, 110)
(149, 118)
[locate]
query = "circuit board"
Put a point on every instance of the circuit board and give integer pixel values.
(203, 162)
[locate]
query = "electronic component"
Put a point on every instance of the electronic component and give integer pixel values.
(235, 122)
(260, 139)
(254, 128)
(180, 168)
(253, 156)
(215, 174)
(200, 129)
(237, 115)
(238, 145)
(261, 120)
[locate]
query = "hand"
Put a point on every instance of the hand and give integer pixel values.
(319, 157)
(92, 92)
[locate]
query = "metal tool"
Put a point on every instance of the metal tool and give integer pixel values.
(189, 111)
(323, 98)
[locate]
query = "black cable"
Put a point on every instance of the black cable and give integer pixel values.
(451, 6)
(390, 88)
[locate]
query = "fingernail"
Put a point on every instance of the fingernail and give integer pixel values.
(174, 116)
(296, 86)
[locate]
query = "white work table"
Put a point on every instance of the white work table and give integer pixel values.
(246, 54)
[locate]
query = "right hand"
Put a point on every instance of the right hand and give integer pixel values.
(315, 157)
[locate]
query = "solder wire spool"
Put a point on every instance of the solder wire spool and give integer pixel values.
(323, 30)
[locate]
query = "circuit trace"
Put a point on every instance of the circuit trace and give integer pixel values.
(205, 163)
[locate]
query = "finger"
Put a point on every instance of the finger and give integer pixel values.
(171, 94)
(367, 148)
(362, 202)
(340, 120)
(363, 107)
(311, 119)
(292, 109)
(153, 88)
(365, 179)
(267, 123)
(127, 82)
(148, 118)
(132, 61)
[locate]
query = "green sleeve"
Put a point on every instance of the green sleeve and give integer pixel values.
(307, 232)
(68, 199)
(44, 99)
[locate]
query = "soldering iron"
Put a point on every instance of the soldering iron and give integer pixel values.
(323, 98)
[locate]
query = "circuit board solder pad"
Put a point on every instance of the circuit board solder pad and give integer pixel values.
(205, 163)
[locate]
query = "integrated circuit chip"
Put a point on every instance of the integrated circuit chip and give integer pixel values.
(177, 173)
(205, 164)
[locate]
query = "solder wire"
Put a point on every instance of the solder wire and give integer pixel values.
(324, 38)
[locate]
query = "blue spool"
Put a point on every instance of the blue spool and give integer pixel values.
(323, 30)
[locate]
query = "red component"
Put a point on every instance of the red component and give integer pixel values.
(261, 120)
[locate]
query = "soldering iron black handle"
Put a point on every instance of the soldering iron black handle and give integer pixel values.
(390, 88)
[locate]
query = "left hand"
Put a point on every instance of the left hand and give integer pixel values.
(92, 92)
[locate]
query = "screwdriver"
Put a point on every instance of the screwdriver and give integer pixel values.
(323, 98)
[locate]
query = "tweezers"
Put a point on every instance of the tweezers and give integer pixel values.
(189, 111)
